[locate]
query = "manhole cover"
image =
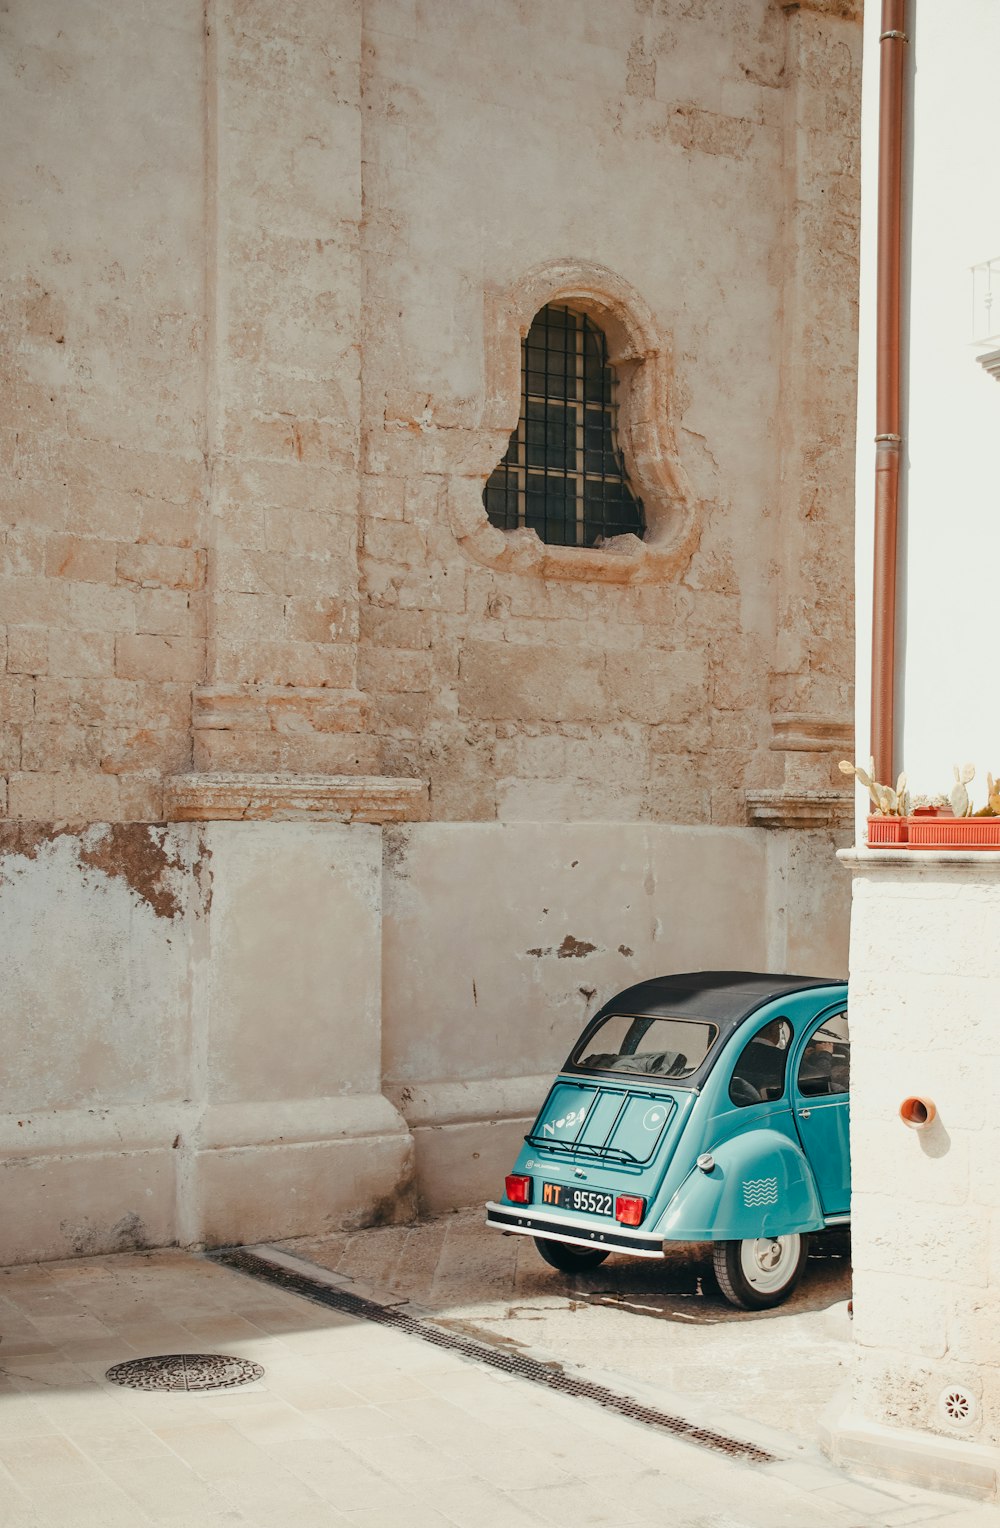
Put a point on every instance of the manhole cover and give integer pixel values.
(185, 1371)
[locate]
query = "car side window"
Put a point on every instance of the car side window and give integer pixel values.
(759, 1074)
(825, 1067)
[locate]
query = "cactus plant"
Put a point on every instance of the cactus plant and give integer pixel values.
(886, 801)
(958, 795)
(992, 807)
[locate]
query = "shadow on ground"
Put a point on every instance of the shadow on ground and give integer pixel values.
(683, 1286)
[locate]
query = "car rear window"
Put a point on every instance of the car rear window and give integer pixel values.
(647, 1047)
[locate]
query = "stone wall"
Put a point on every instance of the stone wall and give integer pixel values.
(264, 307)
(268, 272)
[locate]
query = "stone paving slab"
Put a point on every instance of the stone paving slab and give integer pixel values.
(350, 1424)
(660, 1324)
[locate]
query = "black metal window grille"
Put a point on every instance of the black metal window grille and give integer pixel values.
(563, 474)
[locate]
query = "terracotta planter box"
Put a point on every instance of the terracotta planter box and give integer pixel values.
(954, 832)
(888, 832)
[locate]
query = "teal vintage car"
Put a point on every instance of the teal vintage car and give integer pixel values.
(709, 1106)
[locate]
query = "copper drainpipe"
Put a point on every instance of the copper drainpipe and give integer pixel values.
(888, 440)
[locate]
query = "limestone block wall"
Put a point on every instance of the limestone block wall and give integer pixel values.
(265, 287)
(102, 474)
(925, 978)
(699, 165)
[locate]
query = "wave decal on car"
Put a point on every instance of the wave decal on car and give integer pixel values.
(758, 1191)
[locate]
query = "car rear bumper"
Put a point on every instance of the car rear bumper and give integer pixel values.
(578, 1233)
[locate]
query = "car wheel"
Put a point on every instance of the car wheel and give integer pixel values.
(760, 1271)
(566, 1258)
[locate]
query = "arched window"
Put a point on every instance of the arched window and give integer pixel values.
(563, 474)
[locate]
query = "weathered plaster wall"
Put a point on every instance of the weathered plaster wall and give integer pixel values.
(502, 939)
(193, 1037)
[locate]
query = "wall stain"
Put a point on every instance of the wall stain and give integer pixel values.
(128, 1234)
(131, 852)
(571, 947)
(134, 852)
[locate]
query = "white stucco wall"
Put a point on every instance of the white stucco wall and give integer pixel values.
(951, 424)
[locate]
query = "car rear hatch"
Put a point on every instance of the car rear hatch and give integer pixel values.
(610, 1124)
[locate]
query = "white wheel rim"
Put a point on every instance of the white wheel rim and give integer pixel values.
(769, 1261)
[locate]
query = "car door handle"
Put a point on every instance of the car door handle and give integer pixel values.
(804, 1113)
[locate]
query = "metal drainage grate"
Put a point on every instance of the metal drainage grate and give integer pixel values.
(508, 1363)
(185, 1371)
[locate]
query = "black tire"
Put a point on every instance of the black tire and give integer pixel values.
(743, 1274)
(566, 1258)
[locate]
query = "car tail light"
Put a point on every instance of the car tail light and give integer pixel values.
(629, 1210)
(518, 1189)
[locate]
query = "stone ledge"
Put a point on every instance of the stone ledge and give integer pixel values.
(923, 1459)
(861, 860)
(799, 809)
(288, 797)
(801, 732)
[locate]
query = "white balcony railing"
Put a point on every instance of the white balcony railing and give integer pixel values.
(986, 303)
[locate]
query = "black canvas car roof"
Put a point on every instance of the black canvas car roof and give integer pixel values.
(725, 997)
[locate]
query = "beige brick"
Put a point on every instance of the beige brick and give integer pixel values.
(167, 524)
(654, 686)
(10, 746)
(140, 796)
(327, 753)
(85, 797)
(241, 616)
(165, 567)
(113, 702)
(22, 552)
(244, 570)
(60, 745)
(393, 541)
(314, 533)
(166, 658)
(288, 486)
(81, 652)
(505, 682)
(100, 512)
(31, 797)
(126, 751)
(678, 791)
(395, 628)
(27, 650)
(320, 620)
(36, 601)
(164, 612)
(105, 465)
(93, 607)
(382, 670)
(17, 698)
(306, 663)
(83, 558)
(408, 712)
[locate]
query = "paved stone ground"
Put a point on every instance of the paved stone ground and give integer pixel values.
(351, 1424)
(662, 1324)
